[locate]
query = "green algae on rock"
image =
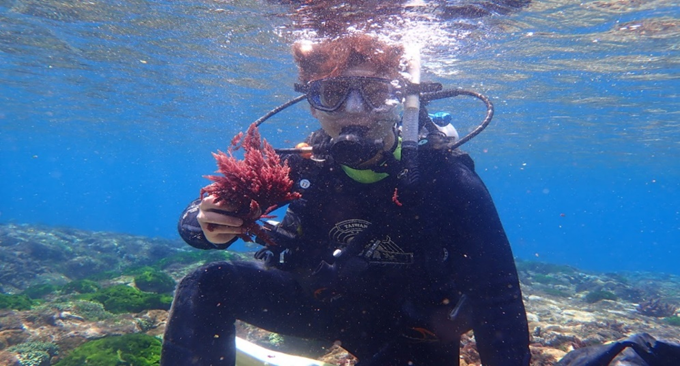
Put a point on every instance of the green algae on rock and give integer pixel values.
(16, 302)
(125, 299)
(154, 280)
(672, 320)
(40, 291)
(595, 296)
(81, 286)
(130, 349)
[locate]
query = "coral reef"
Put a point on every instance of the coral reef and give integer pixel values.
(198, 256)
(35, 353)
(556, 292)
(545, 279)
(656, 308)
(9, 359)
(543, 268)
(541, 357)
(36, 255)
(468, 350)
(91, 310)
(254, 185)
(11, 329)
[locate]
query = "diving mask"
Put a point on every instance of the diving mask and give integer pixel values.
(329, 94)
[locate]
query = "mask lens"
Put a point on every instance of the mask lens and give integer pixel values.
(377, 93)
(329, 94)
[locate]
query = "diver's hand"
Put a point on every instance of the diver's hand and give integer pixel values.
(218, 226)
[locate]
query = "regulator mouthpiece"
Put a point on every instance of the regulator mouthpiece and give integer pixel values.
(353, 148)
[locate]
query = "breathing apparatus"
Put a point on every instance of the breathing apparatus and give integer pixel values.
(417, 127)
(352, 147)
(444, 123)
(427, 127)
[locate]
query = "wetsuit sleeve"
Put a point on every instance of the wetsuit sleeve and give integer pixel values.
(191, 232)
(485, 267)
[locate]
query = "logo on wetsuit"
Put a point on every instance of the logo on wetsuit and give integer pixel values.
(380, 251)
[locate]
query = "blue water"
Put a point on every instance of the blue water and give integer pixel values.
(109, 112)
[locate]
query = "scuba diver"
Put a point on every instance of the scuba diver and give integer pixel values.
(394, 250)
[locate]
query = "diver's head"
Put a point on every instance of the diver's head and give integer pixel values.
(354, 89)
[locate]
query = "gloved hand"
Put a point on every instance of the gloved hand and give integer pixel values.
(268, 256)
(331, 280)
(647, 352)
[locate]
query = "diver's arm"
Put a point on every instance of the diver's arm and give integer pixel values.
(190, 229)
(484, 260)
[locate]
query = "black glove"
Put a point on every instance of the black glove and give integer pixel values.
(646, 351)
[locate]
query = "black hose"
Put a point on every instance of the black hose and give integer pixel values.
(279, 109)
(449, 93)
(425, 98)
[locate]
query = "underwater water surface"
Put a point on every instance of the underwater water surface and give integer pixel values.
(109, 112)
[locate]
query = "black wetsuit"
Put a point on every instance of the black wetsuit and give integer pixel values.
(431, 265)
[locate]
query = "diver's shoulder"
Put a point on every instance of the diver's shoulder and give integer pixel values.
(443, 156)
(444, 169)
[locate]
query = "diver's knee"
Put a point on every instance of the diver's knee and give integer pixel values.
(175, 355)
(205, 275)
(215, 278)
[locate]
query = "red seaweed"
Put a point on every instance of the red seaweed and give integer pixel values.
(256, 182)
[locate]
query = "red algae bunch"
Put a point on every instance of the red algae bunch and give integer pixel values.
(256, 184)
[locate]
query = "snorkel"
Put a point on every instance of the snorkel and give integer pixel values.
(409, 134)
